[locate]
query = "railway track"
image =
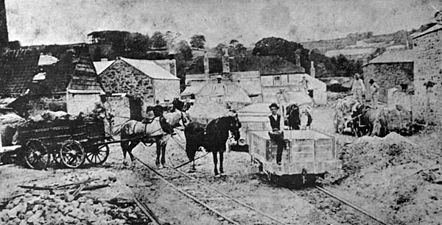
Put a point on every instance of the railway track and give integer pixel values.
(211, 199)
(313, 193)
(218, 203)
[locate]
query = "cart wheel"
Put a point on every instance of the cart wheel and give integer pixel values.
(98, 154)
(36, 155)
(72, 154)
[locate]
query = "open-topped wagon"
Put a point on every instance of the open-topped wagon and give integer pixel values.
(69, 142)
(306, 152)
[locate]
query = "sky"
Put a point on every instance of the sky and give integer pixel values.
(34, 22)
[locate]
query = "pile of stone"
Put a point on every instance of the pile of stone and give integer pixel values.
(54, 209)
(402, 178)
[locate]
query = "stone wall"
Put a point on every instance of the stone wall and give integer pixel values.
(124, 78)
(428, 77)
(389, 75)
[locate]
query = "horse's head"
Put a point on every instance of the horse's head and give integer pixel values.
(185, 118)
(232, 124)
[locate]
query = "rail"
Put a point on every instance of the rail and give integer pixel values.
(187, 194)
(350, 204)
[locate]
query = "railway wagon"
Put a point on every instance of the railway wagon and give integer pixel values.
(305, 152)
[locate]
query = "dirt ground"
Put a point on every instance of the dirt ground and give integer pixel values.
(242, 181)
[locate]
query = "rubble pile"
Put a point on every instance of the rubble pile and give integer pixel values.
(53, 209)
(396, 173)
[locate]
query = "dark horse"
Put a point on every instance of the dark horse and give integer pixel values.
(157, 131)
(293, 118)
(212, 137)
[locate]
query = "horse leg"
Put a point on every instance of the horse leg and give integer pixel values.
(132, 145)
(158, 146)
(215, 162)
(163, 152)
(221, 159)
(124, 148)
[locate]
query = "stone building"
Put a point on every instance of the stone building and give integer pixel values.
(427, 104)
(392, 69)
(132, 84)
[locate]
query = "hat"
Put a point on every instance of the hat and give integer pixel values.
(273, 105)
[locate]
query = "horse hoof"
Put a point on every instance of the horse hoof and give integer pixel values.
(217, 176)
(160, 166)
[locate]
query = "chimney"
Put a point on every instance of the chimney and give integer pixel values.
(206, 63)
(298, 58)
(4, 40)
(225, 60)
(438, 16)
(312, 69)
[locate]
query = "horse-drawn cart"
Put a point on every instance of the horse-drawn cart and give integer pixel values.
(69, 142)
(305, 152)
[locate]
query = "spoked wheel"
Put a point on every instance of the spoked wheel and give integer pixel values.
(98, 154)
(36, 155)
(72, 154)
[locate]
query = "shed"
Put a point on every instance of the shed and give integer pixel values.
(392, 69)
(40, 81)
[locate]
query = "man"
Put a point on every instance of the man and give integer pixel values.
(276, 135)
(304, 84)
(358, 88)
(374, 89)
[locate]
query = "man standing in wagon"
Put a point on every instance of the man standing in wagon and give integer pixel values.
(276, 134)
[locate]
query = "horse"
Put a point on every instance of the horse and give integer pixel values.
(133, 132)
(368, 121)
(212, 137)
(293, 117)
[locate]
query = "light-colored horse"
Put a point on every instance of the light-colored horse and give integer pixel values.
(133, 132)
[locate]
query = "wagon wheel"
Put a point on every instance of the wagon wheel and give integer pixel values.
(36, 155)
(98, 154)
(72, 154)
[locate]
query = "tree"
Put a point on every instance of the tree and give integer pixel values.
(277, 46)
(158, 41)
(183, 50)
(198, 41)
(137, 42)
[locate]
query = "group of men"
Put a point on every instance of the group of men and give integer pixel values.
(358, 90)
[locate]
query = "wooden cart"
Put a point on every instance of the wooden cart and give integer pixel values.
(69, 142)
(305, 152)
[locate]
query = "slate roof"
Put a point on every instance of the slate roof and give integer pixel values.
(394, 57)
(100, 66)
(148, 67)
(429, 30)
(84, 76)
(17, 68)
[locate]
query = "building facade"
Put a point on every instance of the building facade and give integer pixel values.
(391, 70)
(427, 104)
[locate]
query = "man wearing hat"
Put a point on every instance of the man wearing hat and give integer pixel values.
(358, 88)
(276, 135)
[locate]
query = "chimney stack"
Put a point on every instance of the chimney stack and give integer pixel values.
(298, 58)
(225, 61)
(4, 40)
(312, 69)
(206, 63)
